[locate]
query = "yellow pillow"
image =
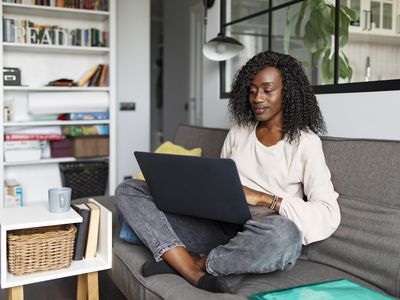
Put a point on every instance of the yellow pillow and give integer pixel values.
(170, 148)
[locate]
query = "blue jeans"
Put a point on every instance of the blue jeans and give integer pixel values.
(259, 246)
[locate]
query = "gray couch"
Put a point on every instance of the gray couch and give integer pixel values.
(365, 248)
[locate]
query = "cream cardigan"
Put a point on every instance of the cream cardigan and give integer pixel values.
(289, 170)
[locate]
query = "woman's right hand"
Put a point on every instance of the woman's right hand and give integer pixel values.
(254, 197)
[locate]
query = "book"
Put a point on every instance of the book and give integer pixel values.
(103, 75)
(82, 230)
(86, 130)
(85, 79)
(96, 76)
(33, 136)
(332, 290)
(16, 145)
(93, 231)
(88, 116)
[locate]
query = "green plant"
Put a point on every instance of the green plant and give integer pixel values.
(318, 17)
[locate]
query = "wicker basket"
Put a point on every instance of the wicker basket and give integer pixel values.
(40, 249)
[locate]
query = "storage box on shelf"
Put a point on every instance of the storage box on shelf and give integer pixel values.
(44, 56)
(85, 178)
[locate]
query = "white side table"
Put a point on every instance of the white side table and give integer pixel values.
(86, 269)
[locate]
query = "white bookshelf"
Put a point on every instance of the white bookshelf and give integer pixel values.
(39, 216)
(40, 64)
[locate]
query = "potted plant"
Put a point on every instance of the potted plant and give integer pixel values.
(318, 17)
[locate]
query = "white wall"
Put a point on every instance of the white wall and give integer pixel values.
(366, 115)
(133, 82)
(215, 113)
(176, 64)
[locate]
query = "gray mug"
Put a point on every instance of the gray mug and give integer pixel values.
(59, 199)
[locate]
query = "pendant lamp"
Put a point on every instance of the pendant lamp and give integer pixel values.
(221, 47)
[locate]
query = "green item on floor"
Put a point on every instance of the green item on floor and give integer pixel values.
(342, 289)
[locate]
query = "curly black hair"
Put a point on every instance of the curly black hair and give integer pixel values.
(299, 105)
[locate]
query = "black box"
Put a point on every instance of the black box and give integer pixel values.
(86, 179)
(12, 76)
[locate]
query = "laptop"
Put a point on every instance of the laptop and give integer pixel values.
(202, 187)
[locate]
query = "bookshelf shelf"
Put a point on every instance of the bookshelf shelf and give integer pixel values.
(49, 161)
(55, 122)
(55, 12)
(52, 48)
(56, 89)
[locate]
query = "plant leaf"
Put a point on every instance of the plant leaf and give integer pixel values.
(344, 30)
(350, 13)
(300, 17)
(286, 35)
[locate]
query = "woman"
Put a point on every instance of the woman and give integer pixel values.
(287, 185)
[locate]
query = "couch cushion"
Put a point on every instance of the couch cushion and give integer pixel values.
(174, 287)
(210, 140)
(366, 174)
(303, 272)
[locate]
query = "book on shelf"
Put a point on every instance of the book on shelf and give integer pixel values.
(77, 4)
(96, 76)
(86, 130)
(85, 116)
(17, 145)
(82, 230)
(89, 74)
(28, 32)
(103, 75)
(62, 82)
(93, 231)
(46, 133)
(33, 136)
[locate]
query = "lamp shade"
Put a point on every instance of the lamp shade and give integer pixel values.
(222, 48)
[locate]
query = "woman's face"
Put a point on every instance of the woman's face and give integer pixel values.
(265, 95)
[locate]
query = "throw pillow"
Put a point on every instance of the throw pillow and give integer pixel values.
(127, 234)
(171, 148)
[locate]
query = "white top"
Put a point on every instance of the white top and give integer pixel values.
(288, 170)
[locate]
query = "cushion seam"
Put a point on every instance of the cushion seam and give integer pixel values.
(367, 202)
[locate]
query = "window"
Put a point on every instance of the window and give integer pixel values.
(345, 46)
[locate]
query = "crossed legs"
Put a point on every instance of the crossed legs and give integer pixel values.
(260, 246)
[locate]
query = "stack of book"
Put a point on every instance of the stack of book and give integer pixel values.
(44, 133)
(29, 144)
(87, 235)
(28, 32)
(96, 76)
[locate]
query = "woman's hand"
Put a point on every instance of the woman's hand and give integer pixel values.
(254, 197)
